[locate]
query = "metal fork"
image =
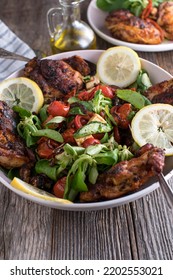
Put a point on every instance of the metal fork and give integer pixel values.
(167, 191)
(10, 55)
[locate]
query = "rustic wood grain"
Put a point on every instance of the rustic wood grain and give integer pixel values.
(139, 230)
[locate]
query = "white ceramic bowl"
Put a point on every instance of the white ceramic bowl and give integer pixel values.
(156, 74)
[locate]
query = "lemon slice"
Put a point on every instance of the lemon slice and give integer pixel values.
(29, 189)
(118, 66)
(154, 124)
(22, 92)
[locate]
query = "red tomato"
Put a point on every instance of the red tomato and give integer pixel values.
(106, 90)
(46, 147)
(90, 141)
(81, 120)
(58, 188)
(125, 109)
(86, 95)
(58, 108)
(98, 136)
(68, 136)
(123, 113)
(44, 151)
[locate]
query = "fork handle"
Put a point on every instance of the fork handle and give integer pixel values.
(10, 55)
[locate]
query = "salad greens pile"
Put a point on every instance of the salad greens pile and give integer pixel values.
(81, 165)
(134, 6)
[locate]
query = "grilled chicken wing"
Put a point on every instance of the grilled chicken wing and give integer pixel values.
(126, 176)
(125, 26)
(57, 78)
(161, 92)
(165, 18)
(13, 152)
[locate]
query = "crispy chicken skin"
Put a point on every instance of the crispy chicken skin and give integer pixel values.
(126, 176)
(58, 79)
(165, 18)
(13, 152)
(78, 64)
(161, 92)
(125, 26)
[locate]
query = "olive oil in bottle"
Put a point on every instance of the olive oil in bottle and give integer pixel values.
(68, 32)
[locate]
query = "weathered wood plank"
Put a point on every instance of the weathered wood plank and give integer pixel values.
(139, 230)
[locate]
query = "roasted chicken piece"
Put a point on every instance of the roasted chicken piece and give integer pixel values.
(161, 92)
(126, 176)
(78, 64)
(126, 27)
(13, 152)
(165, 19)
(58, 79)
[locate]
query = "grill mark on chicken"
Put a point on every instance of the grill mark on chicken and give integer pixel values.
(126, 176)
(13, 152)
(165, 18)
(78, 64)
(125, 26)
(161, 92)
(57, 78)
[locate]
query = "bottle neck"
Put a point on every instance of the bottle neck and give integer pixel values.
(71, 13)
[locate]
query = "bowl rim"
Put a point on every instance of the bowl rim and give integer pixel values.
(92, 205)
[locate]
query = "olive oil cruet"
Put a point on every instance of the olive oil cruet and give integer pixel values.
(67, 30)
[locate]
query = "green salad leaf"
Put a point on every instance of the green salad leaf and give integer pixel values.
(134, 6)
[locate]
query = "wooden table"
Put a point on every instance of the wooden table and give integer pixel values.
(139, 230)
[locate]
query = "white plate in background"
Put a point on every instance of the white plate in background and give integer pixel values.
(96, 18)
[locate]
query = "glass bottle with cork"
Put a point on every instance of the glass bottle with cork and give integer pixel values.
(67, 31)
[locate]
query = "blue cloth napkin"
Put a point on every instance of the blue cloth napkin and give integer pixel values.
(10, 42)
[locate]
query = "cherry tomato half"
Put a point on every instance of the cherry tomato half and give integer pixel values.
(46, 147)
(90, 141)
(81, 120)
(86, 95)
(58, 188)
(58, 108)
(106, 90)
(68, 136)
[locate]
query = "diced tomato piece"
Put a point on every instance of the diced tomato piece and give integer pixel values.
(90, 141)
(46, 147)
(106, 90)
(68, 136)
(88, 95)
(98, 136)
(58, 108)
(59, 187)
(85, 95)
(125, 109)
(81, 120)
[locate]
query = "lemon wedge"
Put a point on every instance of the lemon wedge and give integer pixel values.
(22, 92)
(118, 66)
(154, 124)
(31, 190)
